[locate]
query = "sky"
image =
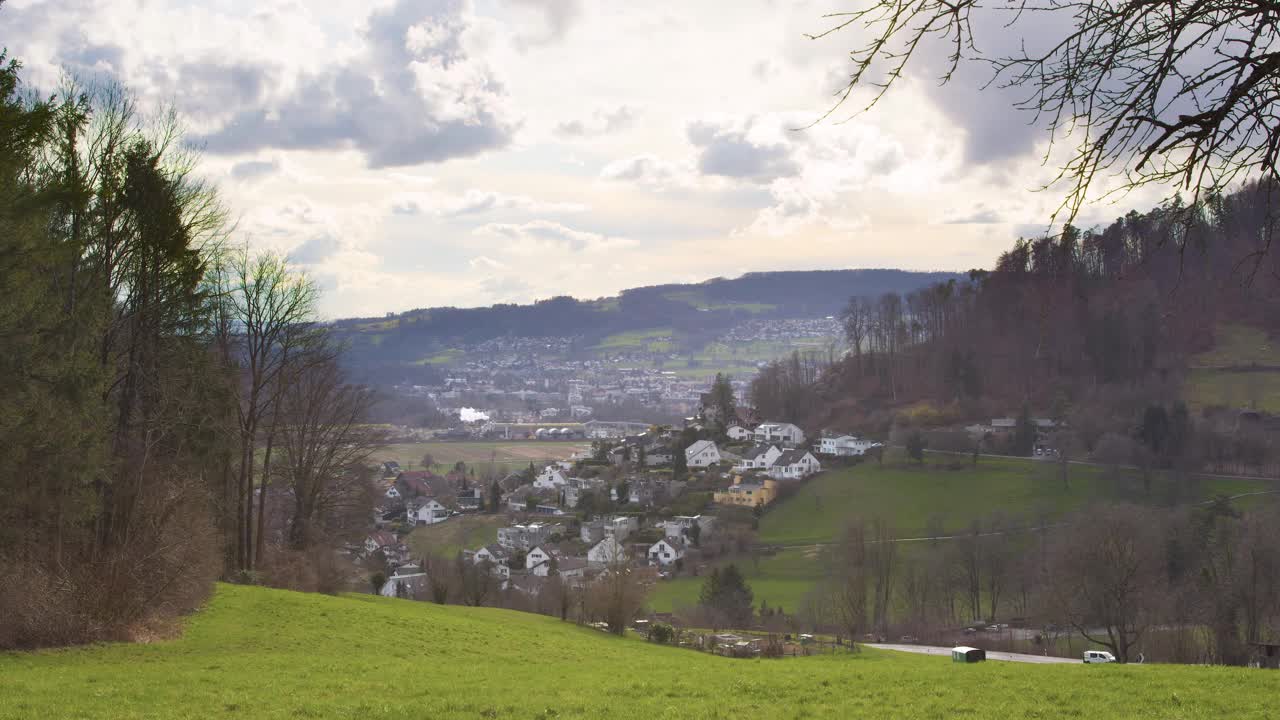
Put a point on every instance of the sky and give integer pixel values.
(416, 153)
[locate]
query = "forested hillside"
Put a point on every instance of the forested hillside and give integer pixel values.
(394, 348)
(1093, 323)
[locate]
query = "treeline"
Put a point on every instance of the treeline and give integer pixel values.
(171, 411)
(1192, 585)
(1069, 320)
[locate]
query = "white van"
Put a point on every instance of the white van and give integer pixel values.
(1098, 656)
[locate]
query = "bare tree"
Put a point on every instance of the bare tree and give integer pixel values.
(1179, 92)
(1107, 579)
(325, 446)
(847, 584)
(265, 309)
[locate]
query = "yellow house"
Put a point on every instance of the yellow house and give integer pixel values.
(748, 494)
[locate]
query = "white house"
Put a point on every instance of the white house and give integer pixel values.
(496, 557)
(537, 556)
(551, 478)
(703, 453)
(524, 537)
(606, 552)
(737, 433)
(426, 511)
(566, 567)
(760, 457)
(794, 465)
(784, 433)
(407, 582)
(845, 446)
(680, 525)
(666, 551)
(392, 493)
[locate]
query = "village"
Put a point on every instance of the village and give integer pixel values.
(662, 502)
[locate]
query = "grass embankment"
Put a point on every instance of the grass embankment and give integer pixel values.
(907, 496)
(256, 653)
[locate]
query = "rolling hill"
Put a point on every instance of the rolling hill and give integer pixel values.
(257, 653)
(415, 345)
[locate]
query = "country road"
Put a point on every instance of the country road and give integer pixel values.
(991, 655)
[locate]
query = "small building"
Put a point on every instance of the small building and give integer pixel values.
(680, 525)
(966, 654)
(794, 465)
(608, 551)
(760, 457)
(748, 493)
(667, 551)
(701, 454)
(784, 433)
(737, 433)
(426, 511)
(845, 446)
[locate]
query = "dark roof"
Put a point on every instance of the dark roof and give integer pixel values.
(756, 452)
(790, 457)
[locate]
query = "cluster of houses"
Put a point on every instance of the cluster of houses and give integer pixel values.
(758, 459)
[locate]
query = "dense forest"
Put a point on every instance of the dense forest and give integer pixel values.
(1092, 326)
(172, 412)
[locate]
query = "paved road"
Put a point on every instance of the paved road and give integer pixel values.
(991, 655)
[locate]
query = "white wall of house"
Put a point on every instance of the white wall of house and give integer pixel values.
(701, 454)
(665, 552)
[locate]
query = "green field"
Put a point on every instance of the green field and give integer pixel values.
(464, 532)
(1222, 377)
(654, 340)
(507, 455)
(256, 653)
(908, 497)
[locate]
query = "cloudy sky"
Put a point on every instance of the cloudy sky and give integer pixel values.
(410, 153)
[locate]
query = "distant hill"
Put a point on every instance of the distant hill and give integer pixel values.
(399, 347)
(258, 653)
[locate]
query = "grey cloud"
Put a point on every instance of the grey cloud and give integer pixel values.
(560, 16)
(729, 152)
(316, 250)
(254, 169)
(374, 104)
(980, 216)
(601, 123)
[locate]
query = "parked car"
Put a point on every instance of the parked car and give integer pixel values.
(1098, 656)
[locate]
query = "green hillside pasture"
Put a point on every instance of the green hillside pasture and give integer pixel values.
(653, 340)
(1259, 389)
(462, 532)
(270, 655)
(782, 580)
(1239, 345)
(508, 455)
(907, 496)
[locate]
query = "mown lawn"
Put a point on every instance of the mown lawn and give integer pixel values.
(256, 653)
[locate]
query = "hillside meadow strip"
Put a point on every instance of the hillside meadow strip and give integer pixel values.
(257, 653)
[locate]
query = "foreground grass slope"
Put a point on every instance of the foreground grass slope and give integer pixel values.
(257, 653)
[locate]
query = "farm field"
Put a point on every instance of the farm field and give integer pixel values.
(258, 653)
(1224, 375)
(507, 455)
(908, 496)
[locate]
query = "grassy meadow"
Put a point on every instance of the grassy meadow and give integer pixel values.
(268, 654)
(508, 455)
(1225, 375)
(464, 532)
(908, 496)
